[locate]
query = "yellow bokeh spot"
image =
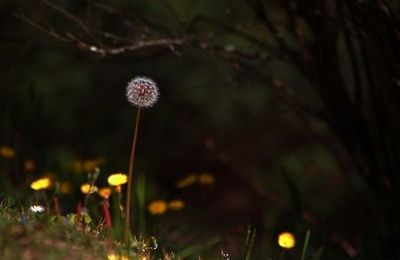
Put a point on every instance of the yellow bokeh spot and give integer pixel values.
(29, 165)
(86, 188)
(65, 187)
(89, 165)
(157, 207)
(206, 179)
(117, 179)
(187, 181)
(117, 257)
(76, 166)
(176, 204)
(286, 240)
(41, 184)
(105, 192)
(7, 152)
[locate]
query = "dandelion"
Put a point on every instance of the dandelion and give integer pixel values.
(29, 165)
(113, 256)
(7, 152)
(105, 192)
(37, 209)
(187, 181)
(206, 179)
(143, 93)
(157, 207)
(41, 184)
(176, 204)
(117, 179)
(88, 189)
(286, 240)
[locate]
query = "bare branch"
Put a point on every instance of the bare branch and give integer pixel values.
(70, 16)
(50, 31)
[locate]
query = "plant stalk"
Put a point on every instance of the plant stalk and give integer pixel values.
(130, 178)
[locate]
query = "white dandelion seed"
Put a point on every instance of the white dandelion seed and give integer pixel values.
(37, 209)
(142, 92)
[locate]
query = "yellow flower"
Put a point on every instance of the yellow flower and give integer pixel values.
(86, 188)
(286, 240)
(117, 179)
(206, 179)
(29, 165)
(176, 204)
(187, 181)
(65, 187)
(157, 207)
(105, 192)
(41, 184)
(113, 256)
(7, 152)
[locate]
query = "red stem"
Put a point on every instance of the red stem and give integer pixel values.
(130, 178)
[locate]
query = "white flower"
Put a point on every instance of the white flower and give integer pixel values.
(37, 209)
(142, 92)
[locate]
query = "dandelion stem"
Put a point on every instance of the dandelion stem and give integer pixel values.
(130, 178)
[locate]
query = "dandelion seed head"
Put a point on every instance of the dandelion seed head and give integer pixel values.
(142, 92)
(37, 209)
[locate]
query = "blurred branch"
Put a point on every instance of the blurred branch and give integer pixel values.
(70, 16)
(47, 30)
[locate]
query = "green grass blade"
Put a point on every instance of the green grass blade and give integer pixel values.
(251, 235)
(317, 255)
(305, 247)
(195, 249)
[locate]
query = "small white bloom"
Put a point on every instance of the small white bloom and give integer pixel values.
(37, 209)
(142, 92)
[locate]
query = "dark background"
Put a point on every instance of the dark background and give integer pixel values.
(292, 106)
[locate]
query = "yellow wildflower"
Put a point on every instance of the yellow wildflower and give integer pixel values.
(113, 256)
(86, 188)
(7, 152)
(117, 179)
(105, 192)
(29, 165)
(286, 240)
(206, 179)
(41, 184)
(176, 204)
(187, 181)
(157, 207)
